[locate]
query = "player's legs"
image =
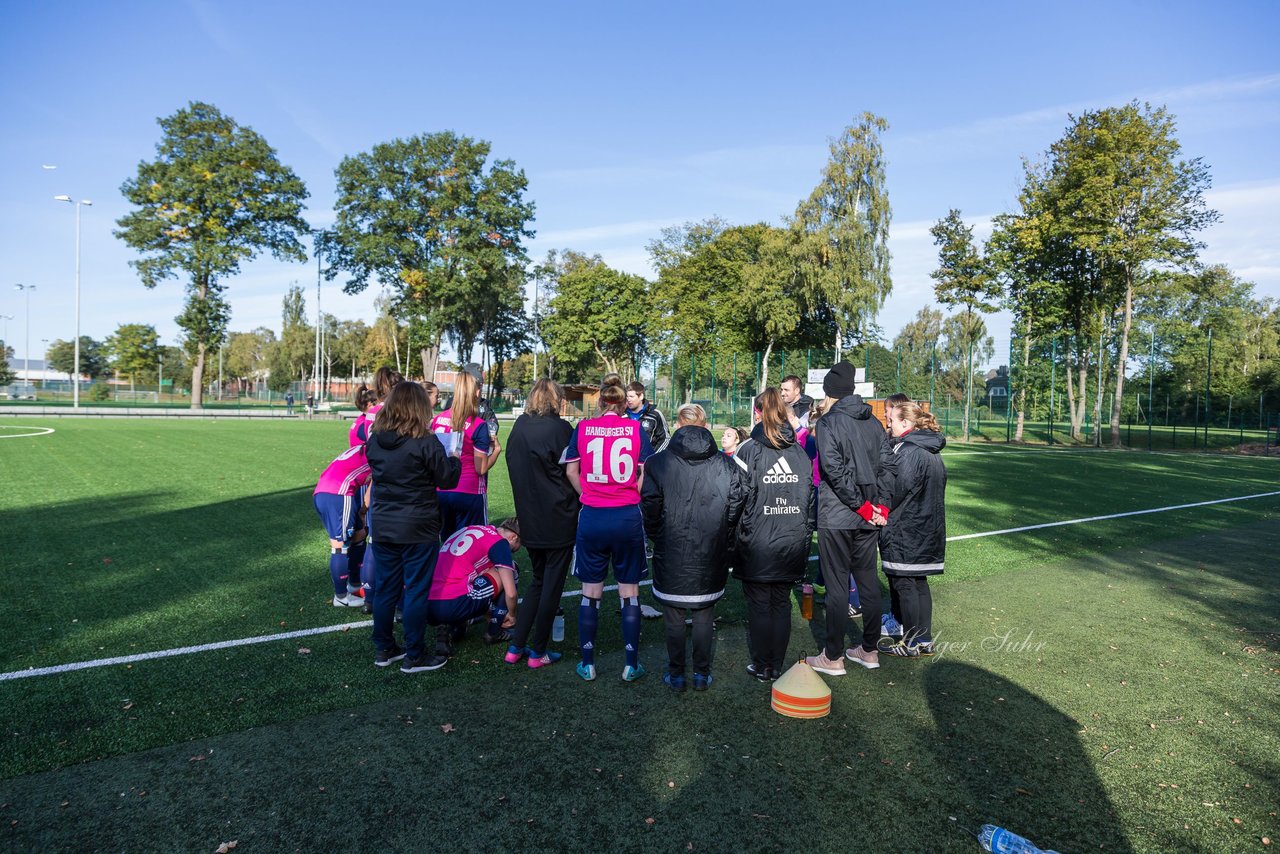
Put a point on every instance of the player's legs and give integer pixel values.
(333, 514)
(387, 587)
(629, 566)
(419, 561)
(673, 623)
(591, 567)
(836, 548)
(704, 638)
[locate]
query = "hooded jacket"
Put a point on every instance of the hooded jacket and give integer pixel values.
(691, 501)
(653, 424)
(775, 530)
(915, 540)
(850, 444)
(406, 473)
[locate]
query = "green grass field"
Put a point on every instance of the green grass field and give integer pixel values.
(1111, 684)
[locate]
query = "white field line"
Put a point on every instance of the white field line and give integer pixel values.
(40, 431)
(209, 647)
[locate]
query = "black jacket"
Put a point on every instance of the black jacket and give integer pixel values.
(691, 500)
(653, 424)
(775, 530)
(546, 503)
(851, 442)
(915, 540)
(802, 407)
(406, 474)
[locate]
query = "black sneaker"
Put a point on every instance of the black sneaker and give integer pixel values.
(423, 662)
(444, 644)
(387, 656)
(503, 636)
(764, 674)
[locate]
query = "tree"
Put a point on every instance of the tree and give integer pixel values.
(1132, 202)
(134, 348)
(347, 345)
(297, 350)
(93, 361)
(7, 375)
(917, 345)
(423, 218)
(248, 353)
(844, 232)
(598, 311)
(962, 280)
(215, 195)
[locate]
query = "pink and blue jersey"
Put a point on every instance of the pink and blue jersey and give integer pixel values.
(346, 474)
(359, 430)
(468, 565)
(475, 437)
(612, 450)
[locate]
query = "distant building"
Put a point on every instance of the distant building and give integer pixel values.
(997, 395)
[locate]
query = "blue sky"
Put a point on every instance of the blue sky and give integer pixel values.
(625, 117)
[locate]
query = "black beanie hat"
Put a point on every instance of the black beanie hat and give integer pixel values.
(840, 381)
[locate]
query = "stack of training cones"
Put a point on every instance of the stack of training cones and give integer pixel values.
(801, 693)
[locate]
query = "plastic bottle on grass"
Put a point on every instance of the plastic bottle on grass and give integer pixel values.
(557, 627)
(806, 602)
(1000, 841)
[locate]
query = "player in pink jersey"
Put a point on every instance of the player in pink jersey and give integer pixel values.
(465, 505)
(359, 433)
(337, 500)
(475, 576)
(605, 463)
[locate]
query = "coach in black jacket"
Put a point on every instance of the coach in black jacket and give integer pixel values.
(850, 444)
(547, 506)
(691, 500)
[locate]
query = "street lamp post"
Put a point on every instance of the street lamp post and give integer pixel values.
(75, 387)
(26, 360)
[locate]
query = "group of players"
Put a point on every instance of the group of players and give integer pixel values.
(588, 496)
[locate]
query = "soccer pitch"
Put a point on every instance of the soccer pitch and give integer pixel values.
(1113, 681)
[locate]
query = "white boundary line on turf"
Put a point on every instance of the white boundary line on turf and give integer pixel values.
(342, 627)
(44, 431)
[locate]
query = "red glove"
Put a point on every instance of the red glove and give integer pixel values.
(866, 511)
(884, 511)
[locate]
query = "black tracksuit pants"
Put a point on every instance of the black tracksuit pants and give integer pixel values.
(844, 553)
(542, 598)
(912, 605)
(703, 633)
(768, 622)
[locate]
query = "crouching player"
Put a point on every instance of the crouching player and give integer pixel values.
(475, 576)
(337, 500)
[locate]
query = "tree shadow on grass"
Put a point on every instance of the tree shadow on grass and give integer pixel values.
(133, 574)
(1017, 762)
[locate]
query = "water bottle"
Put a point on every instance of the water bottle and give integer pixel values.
(557, 628)
(806, 601)
(1000, 841)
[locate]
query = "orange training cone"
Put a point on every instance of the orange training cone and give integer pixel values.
(801, 693)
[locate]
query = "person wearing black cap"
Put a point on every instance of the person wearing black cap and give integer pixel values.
(850, 513)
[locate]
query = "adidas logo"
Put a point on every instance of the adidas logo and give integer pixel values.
(781, 473)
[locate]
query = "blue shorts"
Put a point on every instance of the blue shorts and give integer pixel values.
(443, 612)
(459, 510)
(610, 533)
(338, 513)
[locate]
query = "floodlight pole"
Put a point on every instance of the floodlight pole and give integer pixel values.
(26, 359)
(75, 385)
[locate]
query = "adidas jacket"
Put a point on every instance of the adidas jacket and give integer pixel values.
(915, 540)
(691, 500)
(776, 528)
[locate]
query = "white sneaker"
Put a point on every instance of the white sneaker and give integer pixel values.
(348, 601)
(649, 613)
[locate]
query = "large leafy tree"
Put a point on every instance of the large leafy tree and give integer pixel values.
(1129, 199)
(248, 353)
(597, 312)
(294, 355)
(215, 196)
(426, 219)
(134, 348)
(62, 357)
(916, 345)
(844, 232)
(962, 279)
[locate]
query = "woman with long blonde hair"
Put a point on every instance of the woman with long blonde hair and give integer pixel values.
(462, 427)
